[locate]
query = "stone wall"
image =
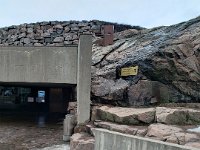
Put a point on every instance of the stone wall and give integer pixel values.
(53, 33)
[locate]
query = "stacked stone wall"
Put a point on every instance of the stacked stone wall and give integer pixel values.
(45, 33)
(53, 33)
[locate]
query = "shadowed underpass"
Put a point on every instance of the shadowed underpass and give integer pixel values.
(28, 124)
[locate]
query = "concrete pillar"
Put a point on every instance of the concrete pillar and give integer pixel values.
(84, 78)
(69, 123)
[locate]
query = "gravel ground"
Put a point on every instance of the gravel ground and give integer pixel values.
(25, 134)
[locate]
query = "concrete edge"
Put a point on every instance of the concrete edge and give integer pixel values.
(142, 138)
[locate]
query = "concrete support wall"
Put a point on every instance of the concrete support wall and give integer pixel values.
(38, 64)
(109, 140)
(84, 78)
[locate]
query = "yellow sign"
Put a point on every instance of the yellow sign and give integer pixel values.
(129, 71)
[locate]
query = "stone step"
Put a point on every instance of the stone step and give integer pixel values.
(142, 116)
(167, 133)
(127, 129)
(129, 116)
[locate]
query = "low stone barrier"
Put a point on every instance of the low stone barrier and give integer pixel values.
(109, 140)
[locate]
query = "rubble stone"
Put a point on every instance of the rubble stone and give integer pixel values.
(82, 141)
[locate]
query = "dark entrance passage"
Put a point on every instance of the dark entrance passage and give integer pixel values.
(35, 102)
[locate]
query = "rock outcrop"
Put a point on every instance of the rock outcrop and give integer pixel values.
(168, 60)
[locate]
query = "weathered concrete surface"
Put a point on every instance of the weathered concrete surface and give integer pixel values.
(69, 124)
(84, 78)
(109, 140)
(38, 64)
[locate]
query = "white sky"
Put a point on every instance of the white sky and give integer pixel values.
(146, 13)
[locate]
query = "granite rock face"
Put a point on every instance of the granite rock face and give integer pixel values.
(169, 66)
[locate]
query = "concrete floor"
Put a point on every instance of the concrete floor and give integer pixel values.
(25, 133)
(56, 147)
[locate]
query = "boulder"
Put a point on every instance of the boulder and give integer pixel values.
(170, 133)
(186, 138)
(162, 132)
(180, 116)
(82, 141)
(124, 115)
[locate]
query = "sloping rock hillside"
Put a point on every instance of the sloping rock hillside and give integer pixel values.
(168, 60)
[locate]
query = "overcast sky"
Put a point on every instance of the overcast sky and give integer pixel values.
(146, 13)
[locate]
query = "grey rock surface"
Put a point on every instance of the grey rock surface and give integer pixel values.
(169, 55)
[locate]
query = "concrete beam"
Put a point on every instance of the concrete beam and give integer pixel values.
(109, 140)
(84, 78)
(38, 64)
